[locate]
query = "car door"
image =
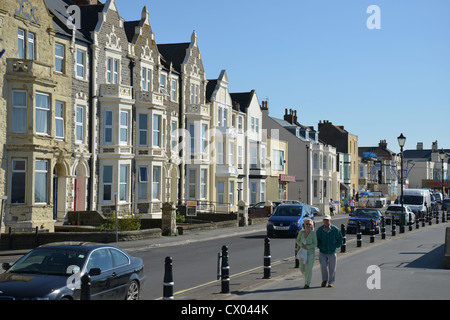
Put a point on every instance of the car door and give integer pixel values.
(122, 273)
(101, 284)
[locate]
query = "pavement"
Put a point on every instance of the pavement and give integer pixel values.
(408, 266)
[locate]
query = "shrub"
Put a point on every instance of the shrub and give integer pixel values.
(126, 222)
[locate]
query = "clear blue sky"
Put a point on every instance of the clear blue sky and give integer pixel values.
(318, 57)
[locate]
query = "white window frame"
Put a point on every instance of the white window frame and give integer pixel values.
(192, 184)
(278, 160)
(146, 78)
(22, 109)
(205, 138)
(230, 153)
(123, 182)
(31, 42)
(78, 124)
(21, 47)
(112, 70)
(173, 134)
(81, 64)
(203, 183)
(60, 108)
(107, 183)
(18, 171)
(59, 58)
(142, 132)
(157, 130)
(220, 152)
(262, 191)
(42, 109)
(143, 183)
(156, 183)
(38, 188)
(108, 126)
(240, 157)
(231, 192)
(221, 193)
(174, 90)
(124, 127)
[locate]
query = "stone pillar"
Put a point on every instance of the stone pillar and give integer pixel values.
(269, 207)
(169, 225)
(243, 213)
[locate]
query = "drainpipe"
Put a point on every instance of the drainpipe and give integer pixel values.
(93, 126)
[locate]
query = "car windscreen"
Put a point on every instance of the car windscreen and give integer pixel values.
(395, 208)
(288, 211)
(50, 261)
(415, 200)
(365, 214)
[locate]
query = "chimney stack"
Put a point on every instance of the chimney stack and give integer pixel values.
(290, 117)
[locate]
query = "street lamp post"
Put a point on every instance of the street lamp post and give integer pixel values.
(442, 155)
(401, 142)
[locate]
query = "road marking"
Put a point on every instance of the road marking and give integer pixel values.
(231, 276)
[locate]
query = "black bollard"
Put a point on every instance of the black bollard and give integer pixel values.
(422, 217)
(393, 227)
(225, 271)
(430, 218)
(372, 231)
(358, 235)
(417, 222)
(344, 238)
(168, 279)
(443, 217)
(437, 216)
(85, 293)
(402, 222)
(409, 222)
(267, 258)
(383, 228)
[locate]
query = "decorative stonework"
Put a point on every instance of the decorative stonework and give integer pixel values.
(113, 40)
(27, 11)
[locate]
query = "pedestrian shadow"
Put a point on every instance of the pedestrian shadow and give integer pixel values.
(433, 259)
(297, 288)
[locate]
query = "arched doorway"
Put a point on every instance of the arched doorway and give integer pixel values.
(59, 192)
(79, 188)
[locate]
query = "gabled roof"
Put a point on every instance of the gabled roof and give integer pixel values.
(174, 52)
(61, 18)
(241, 100)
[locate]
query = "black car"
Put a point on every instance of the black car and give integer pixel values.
(53, 272)
(363, 216)
(446, 204)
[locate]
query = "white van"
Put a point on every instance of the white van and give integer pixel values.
(419, 200)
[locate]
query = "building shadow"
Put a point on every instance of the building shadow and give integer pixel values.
(433, 259)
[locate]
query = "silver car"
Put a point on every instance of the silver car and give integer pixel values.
(395, 210)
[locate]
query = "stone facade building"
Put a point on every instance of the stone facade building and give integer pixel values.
(36, 123)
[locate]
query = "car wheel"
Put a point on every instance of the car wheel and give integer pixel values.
(133, 291)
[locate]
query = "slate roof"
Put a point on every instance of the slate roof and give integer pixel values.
(174, 52)
(88, 21)
(241, 100)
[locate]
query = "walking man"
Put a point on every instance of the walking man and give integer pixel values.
(329, 238)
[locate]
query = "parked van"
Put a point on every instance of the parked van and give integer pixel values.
(419, 200)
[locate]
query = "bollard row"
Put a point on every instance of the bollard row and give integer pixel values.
(224, 270)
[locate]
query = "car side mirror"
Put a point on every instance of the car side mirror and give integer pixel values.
(6, 265)
(95, 272)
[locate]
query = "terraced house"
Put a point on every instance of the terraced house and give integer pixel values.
(96, 116)
(36, 122)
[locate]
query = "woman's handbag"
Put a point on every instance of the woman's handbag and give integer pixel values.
(302, 255)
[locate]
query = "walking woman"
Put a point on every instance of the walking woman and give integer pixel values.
(307, 239)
